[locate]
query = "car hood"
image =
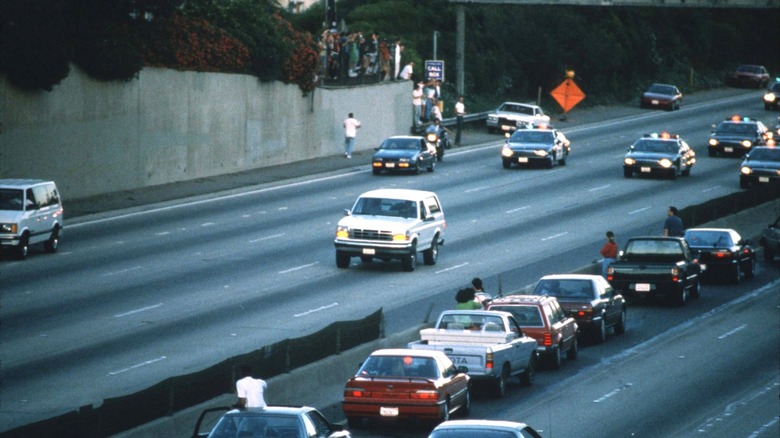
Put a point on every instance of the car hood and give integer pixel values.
(385, 223)
(733, 137)
(650, 156)
(396, 153)
(657, 96)
(10, 216)
(761, 164)
(516, 116)
(528, 146)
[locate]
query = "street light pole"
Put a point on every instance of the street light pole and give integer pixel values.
(435, 43)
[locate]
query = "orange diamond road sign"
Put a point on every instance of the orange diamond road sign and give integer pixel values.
(568, 94)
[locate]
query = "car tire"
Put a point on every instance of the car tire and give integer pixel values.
(465, 410)
(21, 250)
(620, 327)
(417, 169)
(551, 162)
(750, 272)
(409, 262)
(376, 171)
(682, 297)
(600, 332)
(431, 254)
(554, 360)
(432, 167)
(506, 163)
(562, 161)
(53, 242)
(687, 171)
(445, 414)
(744, 183)
(574, 350)
(675, 171)
(712, 152)
(527, 377)
(499, 388)
(342, 260)
(628, 173)
(736, 275)
(696, 290)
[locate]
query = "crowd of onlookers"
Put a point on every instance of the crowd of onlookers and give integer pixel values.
(351, 55)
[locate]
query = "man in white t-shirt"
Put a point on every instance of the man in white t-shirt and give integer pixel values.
(407, 72)
(250, 390)
(351, 125)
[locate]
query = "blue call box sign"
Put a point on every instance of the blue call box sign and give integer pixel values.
(434, 70)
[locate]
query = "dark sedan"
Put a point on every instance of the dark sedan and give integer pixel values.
(736, 136)
(761, 166)
(747, 75)
(536, 144)
(483, 429)
(589, 299)
(655, 154)
(723, 251)
(403, 154)
(661, 96)
(772, 97)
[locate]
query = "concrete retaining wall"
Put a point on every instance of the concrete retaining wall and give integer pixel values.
(94, 137)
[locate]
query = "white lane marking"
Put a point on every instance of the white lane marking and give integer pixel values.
(594, 189)
(142, 309)
(298, 268)
(163, 233)
(273, 236)
(731, 409)
(555, 236)
(476, 189)
(640, 210)
(612, 393)
(518, 209)
(318, 309)
(123, 271)
(451, 268)
(731, 332)
(710, 189)
(148, 362)
(207, 224)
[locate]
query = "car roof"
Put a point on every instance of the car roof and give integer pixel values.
(498, 424)
(475, 312)
(728, 230)
(569, 277)
(20, 183)
(522, 299)
(405, 137)
(413, 195)
(407, 352)
(519, 103)
(274, 410)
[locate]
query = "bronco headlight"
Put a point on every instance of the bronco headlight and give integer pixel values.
(666, 163)
(746, 170)
(629, 161)
(8, 228)
(399, 237)
(342, 232)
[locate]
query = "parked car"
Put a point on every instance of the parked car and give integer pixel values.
(760, 167)
(748, 75)
(271, 421)
(490, 343)
(405, 384)
(723, 251)
(30, 213)
(661, 96)
(771, 98)
(543, 318)
(403, 153)
(652, 266)
(589, 299)
(389, 224)
(509, 115)
(531, 144)
(770, 240)
(483, 429)
(659, 154)
(736, 136)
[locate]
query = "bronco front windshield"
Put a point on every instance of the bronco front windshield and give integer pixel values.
(11, 199)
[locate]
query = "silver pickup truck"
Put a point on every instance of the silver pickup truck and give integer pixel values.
(391, 224)
(489, 343)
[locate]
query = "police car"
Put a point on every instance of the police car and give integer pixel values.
(659, 154)
(537, 143)
(736, 136)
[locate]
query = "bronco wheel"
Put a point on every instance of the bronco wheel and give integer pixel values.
(431, 254)
(21, 251)
(342, 260)
(409, 262)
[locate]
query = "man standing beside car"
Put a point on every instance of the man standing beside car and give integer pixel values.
(673, 226)
(250, 391)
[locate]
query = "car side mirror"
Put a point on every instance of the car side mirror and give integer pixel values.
(347, 212)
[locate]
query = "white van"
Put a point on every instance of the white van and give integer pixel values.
(30, 213)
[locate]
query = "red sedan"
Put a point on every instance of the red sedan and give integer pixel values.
(403, 383)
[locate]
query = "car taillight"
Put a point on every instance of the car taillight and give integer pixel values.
(425, 394)
(489, 361)
(548, 340)
(723, 255)
(355, 392)
(675, 274)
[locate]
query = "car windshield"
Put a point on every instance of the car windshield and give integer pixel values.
(765, 154)
(531, 136)
(255, 425)
(653, 247)
(385, 207)
(520, 109)
(471, 322)
(401, 144)
(526, 316)
(754, 69)
(708, 239)
(565, 289)
(736, 128)
(464, 432)
(11, 199)
(661, 89)
(657, 146)
(399, 366)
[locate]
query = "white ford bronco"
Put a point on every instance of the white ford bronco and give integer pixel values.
(391, 224)
(510, 115)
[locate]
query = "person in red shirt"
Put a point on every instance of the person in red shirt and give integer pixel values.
(609, 252)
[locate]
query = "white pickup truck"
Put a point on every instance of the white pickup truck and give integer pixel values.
(489, 343)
